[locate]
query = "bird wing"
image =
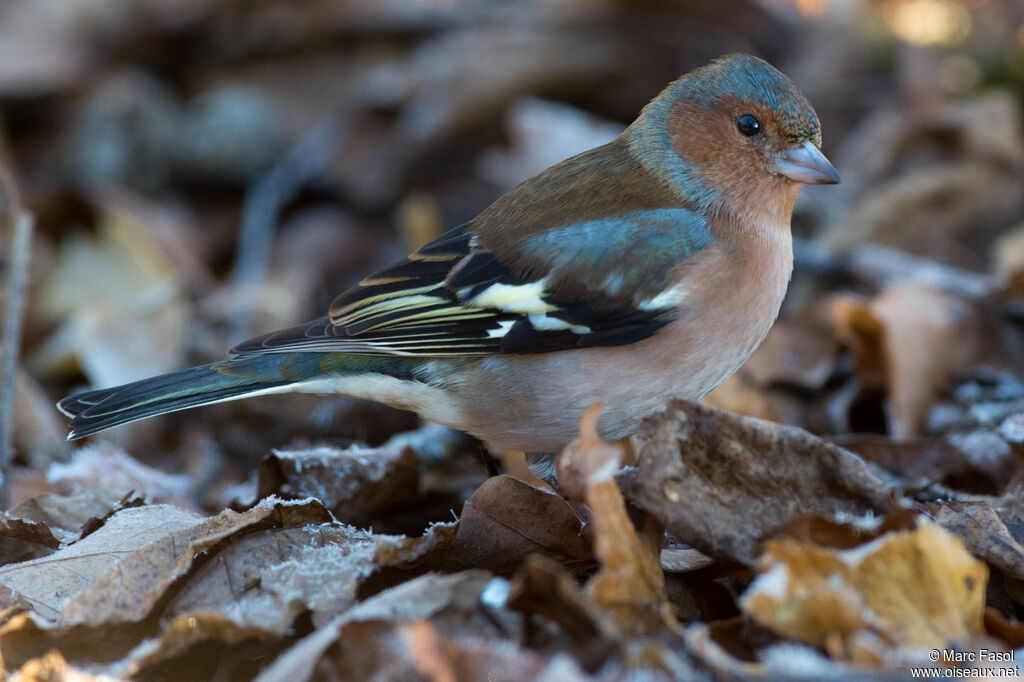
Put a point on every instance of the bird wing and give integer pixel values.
(592, 283)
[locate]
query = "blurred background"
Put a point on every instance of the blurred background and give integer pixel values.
(201, 172)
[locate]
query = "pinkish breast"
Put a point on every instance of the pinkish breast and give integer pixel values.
(729, 297)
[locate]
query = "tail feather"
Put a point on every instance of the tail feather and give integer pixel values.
(94, 411)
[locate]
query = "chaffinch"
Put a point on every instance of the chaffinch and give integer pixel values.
(645, 269)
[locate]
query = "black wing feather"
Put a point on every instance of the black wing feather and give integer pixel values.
(423, 305)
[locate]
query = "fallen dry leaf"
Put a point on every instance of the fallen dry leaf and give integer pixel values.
(53, 668)
(983, 532)
(106, 290)
(67, 515)
(800, 350)
(919, 323)
(1011, 633)
(953, 175)
(400, 558)
(236, 609)
(506, 519)
(587, 455)
(832, 533)
(392, 550)
(901, 341)
(719, 481)
(1008, 254)
(355, 483)
(630, 587)
(543, 588)
(94, 595)
(458, 599)
(24, 540)
(863, 333)
(420, 649)
(722, 647)
(199, 646)
(35, 423)
(144, 135)
(738, 394)
(264, 580)
(683, 560)
(41, 525)
(104, 464)
(913, 589)
(542, 134)
(922, 461)
(58, 585)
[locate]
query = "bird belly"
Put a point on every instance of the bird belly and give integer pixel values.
(535, 402)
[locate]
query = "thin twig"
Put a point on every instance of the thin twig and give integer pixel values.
(17, 277)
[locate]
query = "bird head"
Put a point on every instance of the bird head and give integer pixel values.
(735, 135)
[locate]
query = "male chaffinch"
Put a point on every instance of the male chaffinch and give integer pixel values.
(645, 269)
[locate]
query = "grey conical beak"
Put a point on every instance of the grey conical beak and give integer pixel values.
(806, 164)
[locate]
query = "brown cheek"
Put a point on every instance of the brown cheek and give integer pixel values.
(696, 133)
(712, 143)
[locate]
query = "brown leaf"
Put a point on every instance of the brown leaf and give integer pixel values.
(506, 519)
(952, 175)
(105, 464)
(901, 341)
(199, 646)
(356, 483)
(175, 232)
(456, 600)
(36, 426)
(800, 350)
(817, 530)
(582, 458)
(116, 576)
(66, 515)
(53, 668)
(983, 532)
(683, 560)
(421, 650)
(105, 290)
(738, 394)
(914, 588)
(394, 550)
(719, 481)
(264, 580)
(924, 460)
(299, 662)
(1008, 254)
(399, 558)
(725, 648)
(739, 648)
(630, 586)
(863, 333)
(57, 585)
(543, 588)
(23, 540)
(1011, 633)
(919, 323)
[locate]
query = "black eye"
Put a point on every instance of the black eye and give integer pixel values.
(748, 125)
